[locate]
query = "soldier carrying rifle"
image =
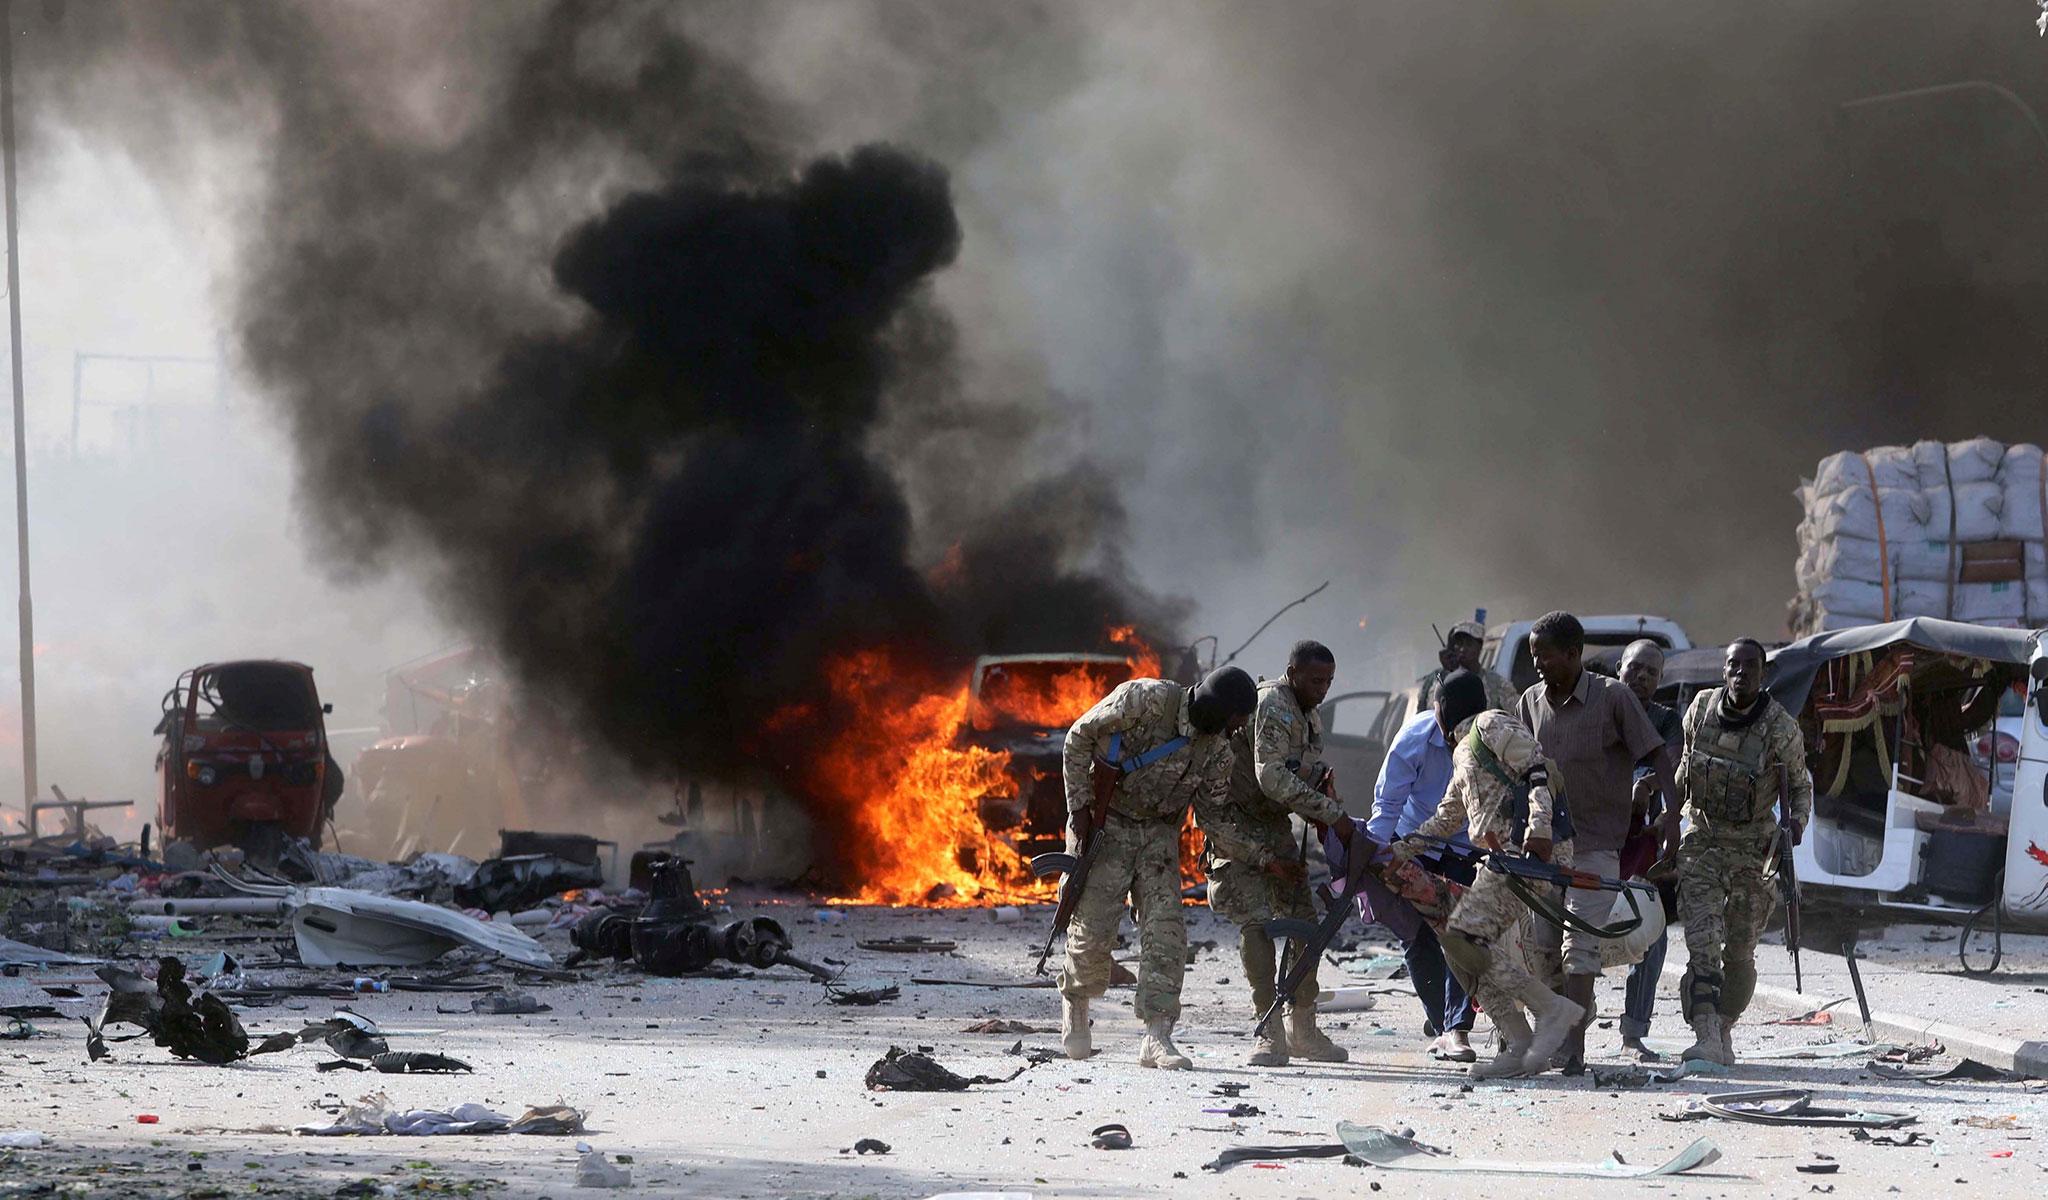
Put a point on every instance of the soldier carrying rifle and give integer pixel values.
(1739, 745)
(1255, 873)
(1161, 746)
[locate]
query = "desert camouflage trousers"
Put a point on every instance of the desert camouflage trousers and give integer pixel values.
(1724, 902)
(1494, 919)
(1138, 862)
(1248, 898)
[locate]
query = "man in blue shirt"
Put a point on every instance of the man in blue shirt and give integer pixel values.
(1412, 782)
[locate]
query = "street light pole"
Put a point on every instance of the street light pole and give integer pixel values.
(28, 636)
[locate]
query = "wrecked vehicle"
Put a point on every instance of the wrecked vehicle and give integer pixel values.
(1904, 817)
(1022, 704)
(244, 759)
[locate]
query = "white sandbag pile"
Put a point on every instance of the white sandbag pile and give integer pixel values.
(1930, 530)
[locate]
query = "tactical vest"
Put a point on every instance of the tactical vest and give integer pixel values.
(1518, 793)
(1724, 770)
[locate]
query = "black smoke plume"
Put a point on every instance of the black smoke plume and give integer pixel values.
(586, 341)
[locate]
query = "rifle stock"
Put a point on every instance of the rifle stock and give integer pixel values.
(1307, 942)
(1102, 780)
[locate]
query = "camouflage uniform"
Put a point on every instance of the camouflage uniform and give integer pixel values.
(1140, 853)
(1273, 759)
(1498, 694)
(1490, 915)
(1728, 779)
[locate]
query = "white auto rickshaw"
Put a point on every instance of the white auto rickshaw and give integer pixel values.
(1906, 818)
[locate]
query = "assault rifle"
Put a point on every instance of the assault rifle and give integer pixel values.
(1788, 873)
(1531, 879)
(1310, 940)
(1102, 781)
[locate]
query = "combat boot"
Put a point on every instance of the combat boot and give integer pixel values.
(1515, 1036)
(1309, 1042)
(1728, 1038)
(1270, 1048)
(1556, 1017)
(1710, 1047)
(1074, 1027)
(1158, 1049)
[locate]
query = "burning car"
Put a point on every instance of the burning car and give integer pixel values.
(244, 759)
(1020, 705)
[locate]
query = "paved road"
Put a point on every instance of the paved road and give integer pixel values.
(753, 1088)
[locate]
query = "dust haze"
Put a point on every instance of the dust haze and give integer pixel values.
(1510, 306)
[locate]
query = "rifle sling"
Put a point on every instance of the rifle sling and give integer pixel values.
(1545, 905)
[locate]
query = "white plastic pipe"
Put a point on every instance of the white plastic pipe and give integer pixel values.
(231, 906)
(1346, 999)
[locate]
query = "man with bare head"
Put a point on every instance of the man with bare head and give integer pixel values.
(1595, 730)
(1642, 672)
(1742, 750)
(1256, 873)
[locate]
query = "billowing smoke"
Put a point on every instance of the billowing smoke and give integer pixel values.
(1460, 305)
(665, 510)
(585, 341)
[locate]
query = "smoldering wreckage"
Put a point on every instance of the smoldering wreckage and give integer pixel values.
(264, 951)
(739, 322)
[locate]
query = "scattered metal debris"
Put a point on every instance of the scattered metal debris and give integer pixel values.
(501, 1004)
(911, 944)
(865, 997)
(1785, 1106)
(1384, 1148)
(871, 1146)
(521, 881)
(1238, 1154)
(1912, 1137)
(1966, 1069)
(347, 1033)
(188, 1024)
(401, 1062)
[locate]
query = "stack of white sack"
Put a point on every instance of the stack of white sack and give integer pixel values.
(1951, 530)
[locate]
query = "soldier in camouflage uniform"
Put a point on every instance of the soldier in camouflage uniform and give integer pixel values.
(1461, 650)
(1737, 740)
(1494, 758)
(1171, 744)
(1255, 868)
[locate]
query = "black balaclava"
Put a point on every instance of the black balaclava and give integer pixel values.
(1225, 693)
(1463, 696)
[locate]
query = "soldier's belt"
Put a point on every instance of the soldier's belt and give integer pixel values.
(1162, 819)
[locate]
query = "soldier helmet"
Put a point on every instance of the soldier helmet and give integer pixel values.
(1224, 693)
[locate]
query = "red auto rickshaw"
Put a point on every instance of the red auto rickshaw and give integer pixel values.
(244, 759)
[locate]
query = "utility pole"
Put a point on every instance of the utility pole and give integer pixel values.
(28, 635)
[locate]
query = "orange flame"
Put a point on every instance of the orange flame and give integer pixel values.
(913, 788)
